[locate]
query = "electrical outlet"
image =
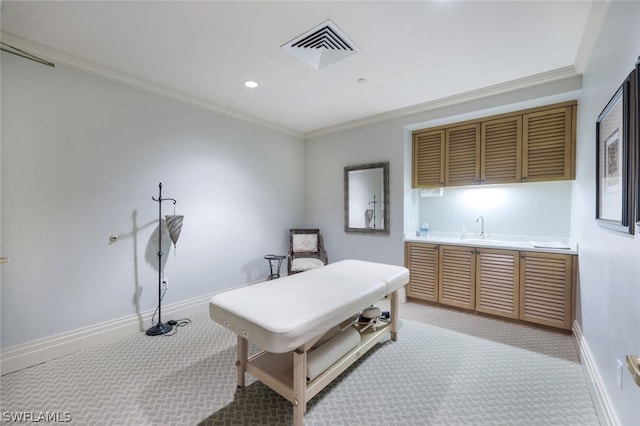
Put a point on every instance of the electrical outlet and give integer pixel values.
(165, 282)
(619, 373)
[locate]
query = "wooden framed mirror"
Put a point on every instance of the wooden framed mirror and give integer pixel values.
(366, 198)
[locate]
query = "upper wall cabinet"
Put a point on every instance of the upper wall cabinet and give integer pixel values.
(428, 159)
(462, 155)
(501, 150)
(524, 146)
(549, 145)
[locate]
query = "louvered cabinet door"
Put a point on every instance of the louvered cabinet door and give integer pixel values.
(497, 278)
(501, 150)
(457, 276)
(545, 288)
(422, 262)
(428, 159)
(462, 155)
(548, 144)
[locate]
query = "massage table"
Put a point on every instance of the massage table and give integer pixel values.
(306, 325)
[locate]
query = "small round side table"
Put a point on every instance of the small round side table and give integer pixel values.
(272, 258)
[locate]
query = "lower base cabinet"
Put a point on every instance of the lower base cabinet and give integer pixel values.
(536, 287)
(457, 276)
(546, 288)
(422, 260)
(497, 288)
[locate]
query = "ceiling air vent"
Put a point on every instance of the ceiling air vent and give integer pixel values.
(322, 46)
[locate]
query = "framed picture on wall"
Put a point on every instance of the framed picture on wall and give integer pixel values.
(615, 163)
(637, 145)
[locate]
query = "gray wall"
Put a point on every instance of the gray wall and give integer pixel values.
(81, 158)
(609, 294)
(325, 160)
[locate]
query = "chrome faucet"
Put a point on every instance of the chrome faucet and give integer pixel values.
(481, 219)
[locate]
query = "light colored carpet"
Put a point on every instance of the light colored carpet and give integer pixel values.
(447, 368)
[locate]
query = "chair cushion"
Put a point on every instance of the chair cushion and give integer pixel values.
(306, 263)
(305, 243)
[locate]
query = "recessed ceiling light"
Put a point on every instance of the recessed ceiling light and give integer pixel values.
(251, 84)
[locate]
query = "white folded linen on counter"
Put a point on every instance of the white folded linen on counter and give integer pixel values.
(550, 244)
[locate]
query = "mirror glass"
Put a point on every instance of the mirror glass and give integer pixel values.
(366, 198)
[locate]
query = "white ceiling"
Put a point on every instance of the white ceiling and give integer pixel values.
(413, 52)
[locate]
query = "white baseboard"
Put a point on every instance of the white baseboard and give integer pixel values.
(601, 401)
(36, 352)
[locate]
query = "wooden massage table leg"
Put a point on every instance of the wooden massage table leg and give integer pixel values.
(299, 386)
(394, 316)
(241, 363)
(300, 365)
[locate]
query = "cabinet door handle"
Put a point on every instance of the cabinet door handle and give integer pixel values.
(4, 259)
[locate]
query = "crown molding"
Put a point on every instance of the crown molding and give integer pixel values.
(78, 63)
(535, 80)
(595, 21)
(81, 64)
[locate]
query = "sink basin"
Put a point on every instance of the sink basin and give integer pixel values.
(479, 241)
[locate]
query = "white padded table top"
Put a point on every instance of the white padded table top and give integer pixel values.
(284, 314)
(393, 276)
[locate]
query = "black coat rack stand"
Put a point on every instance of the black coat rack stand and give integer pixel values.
(160, 328)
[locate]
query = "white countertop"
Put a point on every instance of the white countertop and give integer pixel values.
(500, 241)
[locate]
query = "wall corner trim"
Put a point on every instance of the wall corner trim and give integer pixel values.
(601, 400)
(595, 21)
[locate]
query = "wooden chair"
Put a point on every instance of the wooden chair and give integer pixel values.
(306, 250)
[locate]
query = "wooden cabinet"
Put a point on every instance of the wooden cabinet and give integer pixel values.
(549, 144)
(546, 282)
(457, 276)
(462, 155)
(532, 145)
(497, 282)
(422, 261)
(428, 159)
(536, 287)
(501, 150)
